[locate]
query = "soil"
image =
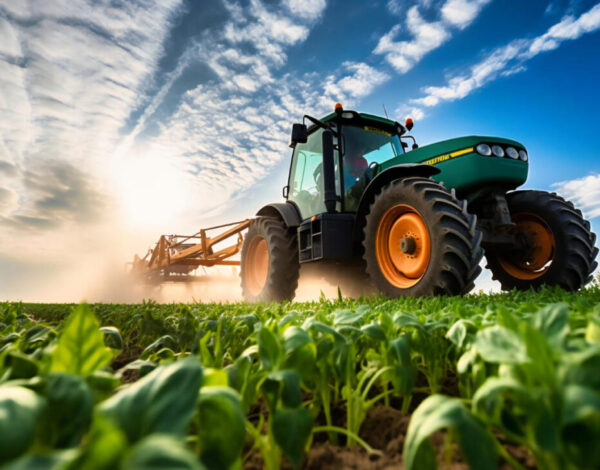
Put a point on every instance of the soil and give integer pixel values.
(384, 429)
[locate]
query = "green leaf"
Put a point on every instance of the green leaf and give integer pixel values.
(581, 425)
(374, 331)
(161, 402)
(489, 399)
(19, 411)
(284, 385)
(552, 321)
(269, 350)
(215, 378)
(407, 320)
(22, 366)
(165, 341)
(592, 331)
(292, 429)
(439, 412)
(103, 448)
(144, 367)
(347, 317)
(69, 412)
(112, 337)
(501, 345)
(458, 333)
(59, 460)
(102, 383)
(161, 452)
(295, 337)
(221, 427)
(80, 349)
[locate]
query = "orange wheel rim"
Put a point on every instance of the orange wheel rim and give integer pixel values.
(543, 248)
(257, 265)
(402, 246)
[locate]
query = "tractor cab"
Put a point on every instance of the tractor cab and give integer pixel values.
(361, 144)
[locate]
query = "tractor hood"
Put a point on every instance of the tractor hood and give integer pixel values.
(440, 149)
(470, 167)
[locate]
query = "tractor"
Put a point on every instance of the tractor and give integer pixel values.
(363, 197)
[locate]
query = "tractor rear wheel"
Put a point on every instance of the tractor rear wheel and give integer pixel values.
(269, 265)
(561, 249)
(420, 240)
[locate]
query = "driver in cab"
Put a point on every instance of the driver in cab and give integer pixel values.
(355, 166)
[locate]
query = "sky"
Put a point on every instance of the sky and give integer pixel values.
(121, 120)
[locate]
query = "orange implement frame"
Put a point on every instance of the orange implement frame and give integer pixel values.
(174, 257)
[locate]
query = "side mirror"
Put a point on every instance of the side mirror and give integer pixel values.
(299, 134)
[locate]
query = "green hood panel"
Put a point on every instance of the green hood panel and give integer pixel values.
(465, 170)
(446, 146)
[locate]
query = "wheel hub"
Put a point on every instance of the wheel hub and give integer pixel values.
(539, 244)
(403, 246)
(408, 245)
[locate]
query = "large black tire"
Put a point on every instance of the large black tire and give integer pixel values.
(279, 279)
(454, 241)
(572, 259)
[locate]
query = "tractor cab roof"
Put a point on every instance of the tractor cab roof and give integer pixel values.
(355, 118)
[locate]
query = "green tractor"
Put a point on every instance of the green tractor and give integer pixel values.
(364, 198)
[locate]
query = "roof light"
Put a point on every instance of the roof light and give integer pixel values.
(409, 123)
(338, 108)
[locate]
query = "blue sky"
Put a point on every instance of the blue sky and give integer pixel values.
(121, 120)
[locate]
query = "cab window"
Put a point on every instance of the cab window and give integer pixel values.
(306, 180)
(365, 146)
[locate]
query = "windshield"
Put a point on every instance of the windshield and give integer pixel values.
(363, 147)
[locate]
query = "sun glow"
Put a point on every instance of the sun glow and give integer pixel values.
(150, 190)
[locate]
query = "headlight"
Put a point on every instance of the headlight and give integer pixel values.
(497, 150)
(523, 155)
(512, 152)
(484, 149)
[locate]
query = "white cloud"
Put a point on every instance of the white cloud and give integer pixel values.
(461, 13)
(583, 192)
(509, 59)
(360, 82)
(231, 132)
(71, 72)
(308, 9)
(403, 55)
(426, 36)
(568, 29)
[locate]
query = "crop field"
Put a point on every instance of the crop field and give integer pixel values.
(483, 381)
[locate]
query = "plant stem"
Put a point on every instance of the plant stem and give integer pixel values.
(508, 458)
(352, 435)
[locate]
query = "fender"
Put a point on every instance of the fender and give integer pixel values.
(381, 179)
(285, 211)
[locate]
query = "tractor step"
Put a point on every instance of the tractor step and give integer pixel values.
(326, 236)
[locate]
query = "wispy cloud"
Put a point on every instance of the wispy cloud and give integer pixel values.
(71, 72)
(584, 192)
(506, 60)
(231, 131)
(425, 36)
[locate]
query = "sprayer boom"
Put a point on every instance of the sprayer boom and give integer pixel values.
(174, 257)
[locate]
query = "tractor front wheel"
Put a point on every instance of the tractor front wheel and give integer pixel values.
(269, 265)
(420, 240)
(559, 244)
